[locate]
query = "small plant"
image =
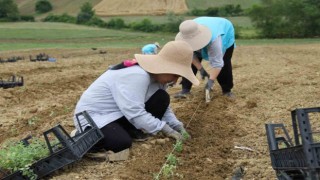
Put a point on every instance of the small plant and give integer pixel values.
(33, 121)
(19, 156)
(178, 146)
(168, 170)
(172, 159)
(185, 134)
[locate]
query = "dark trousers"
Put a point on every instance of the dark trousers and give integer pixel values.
(225, 77)
(117, 134)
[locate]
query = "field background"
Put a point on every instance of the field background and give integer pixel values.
(272, 77)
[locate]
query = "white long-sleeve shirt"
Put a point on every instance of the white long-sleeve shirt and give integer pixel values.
(123, 92)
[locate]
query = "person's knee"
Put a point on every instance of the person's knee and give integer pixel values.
(122, 144)
(163, 96)
(126, 143)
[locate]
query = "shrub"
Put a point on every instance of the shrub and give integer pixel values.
(96, 21)
(60, 18)
(43, 6)
(27, 18)
(116, 23)
(145, 25)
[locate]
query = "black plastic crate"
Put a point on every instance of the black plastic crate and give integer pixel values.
(68, 149)
(15, 176)
(13, 81)
(64, 149)
(298, 160)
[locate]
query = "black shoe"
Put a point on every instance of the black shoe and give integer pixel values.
(182, 94)
(229, 95)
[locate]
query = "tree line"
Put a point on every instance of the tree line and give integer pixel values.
(272, 18)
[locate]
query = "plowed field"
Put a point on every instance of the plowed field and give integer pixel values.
(270, 81)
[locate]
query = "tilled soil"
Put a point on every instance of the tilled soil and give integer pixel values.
(270, 81)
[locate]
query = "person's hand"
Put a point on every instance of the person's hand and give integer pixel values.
(182, 131)
(168, 131)
(203, 73)
(209, 85)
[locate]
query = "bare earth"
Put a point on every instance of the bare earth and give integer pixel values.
(139, 7)
(270, 81)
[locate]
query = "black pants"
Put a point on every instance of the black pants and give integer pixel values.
(225, 77)
(117, 134)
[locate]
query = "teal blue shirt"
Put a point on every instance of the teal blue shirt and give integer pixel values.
(149, 49)
(218, 27)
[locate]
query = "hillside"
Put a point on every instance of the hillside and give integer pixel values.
(71, 7)
(26, 7)
(140, 7)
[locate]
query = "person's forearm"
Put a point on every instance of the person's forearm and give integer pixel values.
(214, 72)
(196, 63)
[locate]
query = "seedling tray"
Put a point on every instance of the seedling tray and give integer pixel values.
(298, 160)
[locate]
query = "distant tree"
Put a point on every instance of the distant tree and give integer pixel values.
(9, 10)
(287, 18)
(43, 6)
(85, 14)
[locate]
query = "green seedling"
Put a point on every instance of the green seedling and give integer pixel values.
(185, 134)
(67, 109)
(172, 159)
(168, 170)
(33, 121)
(178, 146)
(17, 156)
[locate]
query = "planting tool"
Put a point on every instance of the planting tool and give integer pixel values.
(208, 89)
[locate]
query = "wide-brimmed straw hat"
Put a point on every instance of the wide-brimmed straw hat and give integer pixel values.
(197, 35)
(174, 58)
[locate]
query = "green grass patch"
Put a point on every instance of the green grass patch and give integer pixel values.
(204, 4)
(40, 35)
(277, 41)
(17, 36)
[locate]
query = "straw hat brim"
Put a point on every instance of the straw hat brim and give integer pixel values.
(198, 41)
(155, 64)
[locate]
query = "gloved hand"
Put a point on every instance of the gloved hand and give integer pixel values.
(182, 131)
(203, 73)
(209, 85)
(168, 131)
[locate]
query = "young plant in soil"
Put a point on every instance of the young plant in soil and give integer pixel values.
(167, 170)
(18, 156)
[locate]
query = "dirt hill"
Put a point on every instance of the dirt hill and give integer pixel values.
(139, 7)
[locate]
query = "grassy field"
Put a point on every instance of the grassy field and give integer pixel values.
(26, 7)
(14, 36)
(18, 36)
(204, 4)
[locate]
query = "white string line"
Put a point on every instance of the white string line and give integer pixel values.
(175, 146)
(194, 113)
